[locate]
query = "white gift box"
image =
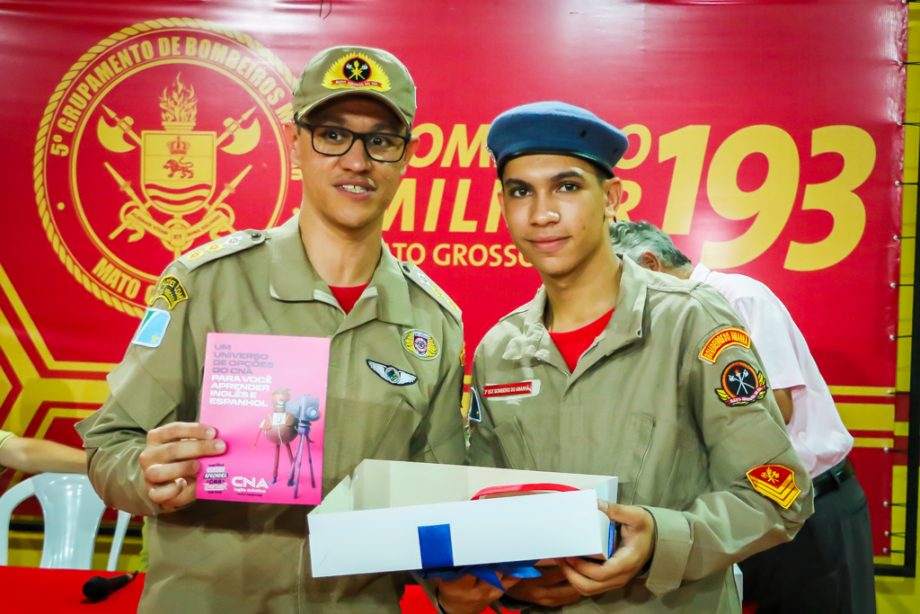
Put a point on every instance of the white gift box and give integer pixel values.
(393, 516)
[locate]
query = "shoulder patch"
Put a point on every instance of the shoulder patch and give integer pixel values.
(475, 413)
(775, 482)
(171, 290)
(420, 279)
(152, 328)
(221, 247)
(741, 384)
(420, 344)
(722, 339)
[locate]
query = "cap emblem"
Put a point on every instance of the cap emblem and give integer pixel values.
(356, 71)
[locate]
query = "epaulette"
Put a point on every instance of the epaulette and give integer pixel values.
(517, 310)
(224, 246)
(669, 283)
(523, 308)
(419, 278)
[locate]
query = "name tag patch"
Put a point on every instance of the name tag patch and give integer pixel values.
(513, 390)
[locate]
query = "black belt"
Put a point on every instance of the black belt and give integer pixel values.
(831, 479)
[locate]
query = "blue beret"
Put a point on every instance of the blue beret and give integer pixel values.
(555, 128)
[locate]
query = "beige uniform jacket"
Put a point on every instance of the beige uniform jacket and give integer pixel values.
(644, 406)
(237, 557)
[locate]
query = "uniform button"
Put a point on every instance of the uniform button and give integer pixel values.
(256, 235)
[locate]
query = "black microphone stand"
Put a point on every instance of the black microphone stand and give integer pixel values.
(307, 412)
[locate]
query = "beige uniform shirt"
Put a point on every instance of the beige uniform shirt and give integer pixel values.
(644, 405)
(236, 557)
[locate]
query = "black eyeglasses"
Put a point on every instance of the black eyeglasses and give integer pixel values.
(337, 141)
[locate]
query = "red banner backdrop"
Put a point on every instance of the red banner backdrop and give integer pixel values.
(764, 138)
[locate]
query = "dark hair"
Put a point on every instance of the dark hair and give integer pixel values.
(632, 239)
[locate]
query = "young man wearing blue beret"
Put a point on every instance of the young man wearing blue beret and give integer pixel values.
(621, 371)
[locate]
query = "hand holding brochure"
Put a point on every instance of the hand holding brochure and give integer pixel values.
(266, 396)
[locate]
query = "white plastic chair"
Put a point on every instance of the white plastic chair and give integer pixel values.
(72, 512)
(739, 581)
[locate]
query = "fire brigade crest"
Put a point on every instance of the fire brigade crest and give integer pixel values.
(167, 136)
(178, 170)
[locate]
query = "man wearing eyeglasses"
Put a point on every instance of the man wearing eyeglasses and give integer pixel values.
(395, 374)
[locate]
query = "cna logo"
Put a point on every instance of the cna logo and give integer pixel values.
(245, 483)
(164, 136)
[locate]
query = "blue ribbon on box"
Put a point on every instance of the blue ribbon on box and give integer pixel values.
(437, 555)
(487, 573)
(435, 546)
(611, 538)
(437, 552)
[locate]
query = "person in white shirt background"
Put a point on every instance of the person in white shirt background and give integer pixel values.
(828, 567)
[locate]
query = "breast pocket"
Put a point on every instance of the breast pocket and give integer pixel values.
(631, 455)
(357, 429)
